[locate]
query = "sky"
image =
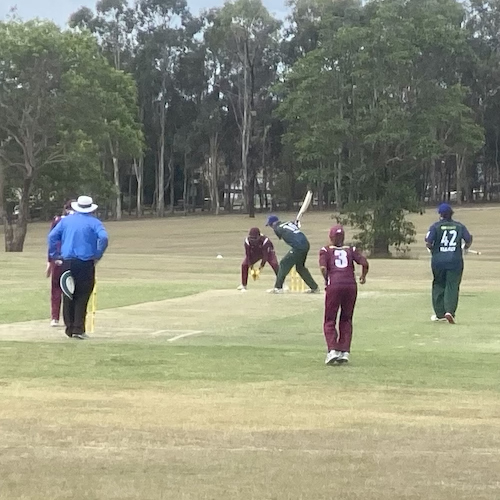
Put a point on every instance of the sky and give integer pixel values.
(60, 10)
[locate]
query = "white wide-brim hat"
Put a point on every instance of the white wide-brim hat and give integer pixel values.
(84, 205)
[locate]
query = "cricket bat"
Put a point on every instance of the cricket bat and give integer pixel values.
(304, 207)
(466, 250)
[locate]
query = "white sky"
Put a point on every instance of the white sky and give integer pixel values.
(60, 10)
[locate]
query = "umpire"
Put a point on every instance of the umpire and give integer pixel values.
(83, 241)
(444, 240)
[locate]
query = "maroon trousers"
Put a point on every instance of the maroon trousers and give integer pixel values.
(55, 291)
(341, 297)
(245, 266)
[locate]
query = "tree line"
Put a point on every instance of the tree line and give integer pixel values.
(379, 107)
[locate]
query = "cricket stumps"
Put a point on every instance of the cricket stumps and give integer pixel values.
(297, 284)
(91, 310)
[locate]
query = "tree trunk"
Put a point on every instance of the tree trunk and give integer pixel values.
(185, 193)
(160, 208)
(139, 170)
(260, 193)
(381, 218)
(263, 191)
(171, 170)
(460, 163)
(246, 133)
(227, 200)
(116, 177)
(130, 194)
(2, 190)
(251, 197)
(15, 234)
(433, 183)
(212, 173)
(113, 148)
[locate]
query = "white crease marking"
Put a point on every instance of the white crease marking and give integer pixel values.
(194, 332)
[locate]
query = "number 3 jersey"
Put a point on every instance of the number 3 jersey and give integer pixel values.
(339, 263)
(445, 239)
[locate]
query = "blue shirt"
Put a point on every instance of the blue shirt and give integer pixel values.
(82, 236)
(445, 239)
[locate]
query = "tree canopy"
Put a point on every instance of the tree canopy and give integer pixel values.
(379, 107)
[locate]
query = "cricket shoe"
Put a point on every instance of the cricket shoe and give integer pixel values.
(80, 336)
(275, 290)
(343, 358)
(435, 318)
(332, 356)
(54, 322)
(450, 318)
(242, 288)
(313, 290)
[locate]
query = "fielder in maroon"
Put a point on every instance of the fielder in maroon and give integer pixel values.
(336, 262)
(54, 272)
(257, 248)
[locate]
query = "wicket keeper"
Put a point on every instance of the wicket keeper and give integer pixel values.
(444, 240)
(336, 263)
(257, 248)
(290, 233)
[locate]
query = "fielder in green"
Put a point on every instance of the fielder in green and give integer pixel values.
(290, 233)
(444, 240)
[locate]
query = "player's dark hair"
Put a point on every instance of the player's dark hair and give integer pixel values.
(447, 214)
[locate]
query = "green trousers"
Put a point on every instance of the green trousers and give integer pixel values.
(295, 258)
(445, 290)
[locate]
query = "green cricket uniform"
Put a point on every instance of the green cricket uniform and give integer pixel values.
(445, 240)
(290, 233)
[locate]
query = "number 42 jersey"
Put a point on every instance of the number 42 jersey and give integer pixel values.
(339, 263)
(445, 239)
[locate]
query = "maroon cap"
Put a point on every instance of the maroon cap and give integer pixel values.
(335, 231)
(254, 233)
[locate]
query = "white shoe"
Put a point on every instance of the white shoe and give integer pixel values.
(243, 288)
(54, 322)
(435, 318)
(343, 358)
(275, 290)
(331, 357)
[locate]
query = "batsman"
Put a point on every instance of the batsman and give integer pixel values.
(291, 234)
(444, 240)
(257, 248)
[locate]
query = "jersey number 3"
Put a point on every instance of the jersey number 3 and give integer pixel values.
(341, 259)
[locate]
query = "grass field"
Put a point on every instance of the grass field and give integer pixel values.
(192, 390)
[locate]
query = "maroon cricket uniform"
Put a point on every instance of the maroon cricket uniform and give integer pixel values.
(341, 292)
(255, 250)
(55, 276)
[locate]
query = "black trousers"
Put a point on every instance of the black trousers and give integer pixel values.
(75, 311)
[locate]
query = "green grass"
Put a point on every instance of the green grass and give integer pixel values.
(243, 406)
(43, 364)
